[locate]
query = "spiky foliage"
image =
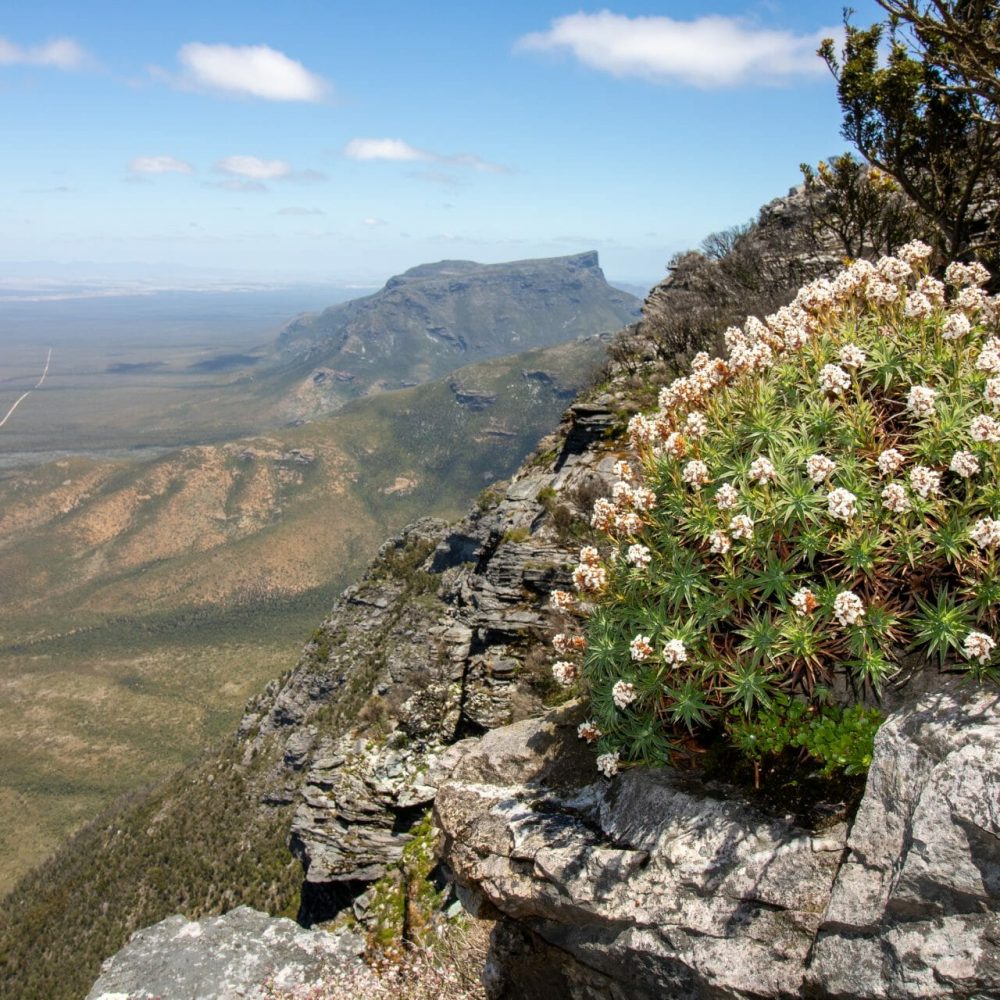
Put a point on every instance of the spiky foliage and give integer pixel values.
(806, 512)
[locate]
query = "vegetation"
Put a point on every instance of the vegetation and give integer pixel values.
(928, 116)
(815, 508)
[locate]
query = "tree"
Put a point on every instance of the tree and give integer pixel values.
(927, 115)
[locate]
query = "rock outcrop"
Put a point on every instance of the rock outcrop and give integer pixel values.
(658, 884)
(222, 958)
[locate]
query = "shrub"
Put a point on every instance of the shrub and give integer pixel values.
(800, 516)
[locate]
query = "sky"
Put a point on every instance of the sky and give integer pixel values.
(326, 140)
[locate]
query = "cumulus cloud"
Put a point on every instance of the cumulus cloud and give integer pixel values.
(60, 53)
(710, 51)
(253, 168)
(401, 151)
(160, 165)
(248, 71)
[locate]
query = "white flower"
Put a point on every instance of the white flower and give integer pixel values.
(989, 358)
(641, 430)
(881, 292)
(891, 460)
(629, 523)
(695, 474)
(563, 643)
(959, 274)
(804, 601)
(589, 731)
(894, 498)
(726, 497)
(604, 515)
(696, 425)
(955, 326)
(623, 693)
(985, 533)
(589, 556)
(564, 672)
(562, 600)
(852, 356)
(819, 467)
(978, 646)
(741, 526)
(607, 764)
(921, 400)
(971, 300)
(932, 289)
(643, 498)
(893, 269)
(590, 579)
(623, 470)
(848, 608)
(674, 445)
(762, 471)
(964, 464)
(925, 481)
(918, 306)
(992, 392)
(833, 378)
(842, 504)
(639, 648)
(984, 428)
(623, 495)
(914, 252)
(674, 652)
(638, 556)
(719, 543)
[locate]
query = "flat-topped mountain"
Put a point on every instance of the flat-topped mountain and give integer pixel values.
(434, 317)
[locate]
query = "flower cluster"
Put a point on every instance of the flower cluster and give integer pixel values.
(813, 503)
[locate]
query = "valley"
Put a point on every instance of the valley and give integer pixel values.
(172, 526)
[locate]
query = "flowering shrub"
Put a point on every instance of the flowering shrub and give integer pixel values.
(810, 508)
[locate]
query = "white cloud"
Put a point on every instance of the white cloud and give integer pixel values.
(383, 149)
(160, 165)
(60, 53)
(710, 51)
(372, 221)
(399, 150)
(299, 210)
(253, 167)
(250, 71)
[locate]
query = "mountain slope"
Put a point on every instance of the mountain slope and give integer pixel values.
(144, 602)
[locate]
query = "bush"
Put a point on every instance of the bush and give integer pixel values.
(814, 508)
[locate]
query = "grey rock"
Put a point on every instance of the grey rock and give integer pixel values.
(222, 958)
(657, 884)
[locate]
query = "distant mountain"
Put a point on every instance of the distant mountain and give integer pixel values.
(437, 317)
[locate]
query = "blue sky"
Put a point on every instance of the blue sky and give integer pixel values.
(345, 142)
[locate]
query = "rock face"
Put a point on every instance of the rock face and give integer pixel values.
(659, 885)
(222, 958)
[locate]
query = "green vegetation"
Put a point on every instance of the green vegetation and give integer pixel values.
(817, 508)
(928, 115)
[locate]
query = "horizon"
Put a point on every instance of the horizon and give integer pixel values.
(318, 145)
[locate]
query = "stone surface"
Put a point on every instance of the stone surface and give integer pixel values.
(656, 884)
(222, 958)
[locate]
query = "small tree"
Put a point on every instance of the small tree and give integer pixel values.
(859, 208)
(927, 116)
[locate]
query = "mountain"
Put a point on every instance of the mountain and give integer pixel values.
(436, 317)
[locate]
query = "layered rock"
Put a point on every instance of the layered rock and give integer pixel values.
(658, 884)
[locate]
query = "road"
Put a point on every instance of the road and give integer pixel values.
(25, 395)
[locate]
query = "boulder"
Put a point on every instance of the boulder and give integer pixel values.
(230, 957)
